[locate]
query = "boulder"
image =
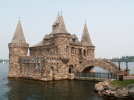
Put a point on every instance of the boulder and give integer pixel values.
(113, 92)
(108, 91)
(97, 85)
(100, 88)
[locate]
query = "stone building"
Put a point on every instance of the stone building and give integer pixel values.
(55, 57)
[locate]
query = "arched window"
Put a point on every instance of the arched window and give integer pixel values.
(84, 52)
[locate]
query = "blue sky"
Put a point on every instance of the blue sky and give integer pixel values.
(110, 23)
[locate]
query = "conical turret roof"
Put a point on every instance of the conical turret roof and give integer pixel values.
(61, 27)
(18, 35)
(85, 37)
(57, 20)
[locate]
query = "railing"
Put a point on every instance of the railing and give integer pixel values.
(93, 75)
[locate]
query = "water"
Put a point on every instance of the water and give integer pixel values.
(14, 89)
(122, 65)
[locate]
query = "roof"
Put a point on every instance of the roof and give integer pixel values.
(18, 35)
(85, 37)
(76, 44)
(61, 27)
(42, 44)
(46, 37)
(57, 20)
(73, 36)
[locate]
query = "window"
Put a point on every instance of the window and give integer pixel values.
(49, 40)
(72, 50)
(28, 68)
(39, 52)
(53, 27)
(39, 68)
(35, 68)
(70, 39)
(57, 67)
(44, 41)
(25, 67)
(76, 40)
(47, 51)
(56, 49)
(79, 51)
(84, 52)
(67, 49)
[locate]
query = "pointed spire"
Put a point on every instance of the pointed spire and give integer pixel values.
(18, 35)
(57, 20)
(85, 37)
(61, 27)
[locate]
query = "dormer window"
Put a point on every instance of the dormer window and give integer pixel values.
(70, 39)
(76, 40)
(57, 24)
(53, 27)
(49, 40)
(44, 41)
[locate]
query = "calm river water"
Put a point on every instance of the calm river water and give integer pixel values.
(13, 89)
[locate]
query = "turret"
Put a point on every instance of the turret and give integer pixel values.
(17, 48)
(89, 51)
(62, 40)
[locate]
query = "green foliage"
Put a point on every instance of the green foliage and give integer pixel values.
(122, 59)
(123, 83)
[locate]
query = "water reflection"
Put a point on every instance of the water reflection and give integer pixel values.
(60, 90)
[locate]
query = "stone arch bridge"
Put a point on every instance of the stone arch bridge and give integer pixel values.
(109, 66)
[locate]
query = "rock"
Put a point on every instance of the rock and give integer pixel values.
(131, 94)
(106, 87)
(100, 88)
(108, 91)
(97, 85)
(105, 93)
(131, 85)
(104, 83)
(125, 95)
(100, 94)
(131, 89)
(113, 92)
(113, 88)
(120, 91)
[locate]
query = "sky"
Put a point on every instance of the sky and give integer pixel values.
(110, 23)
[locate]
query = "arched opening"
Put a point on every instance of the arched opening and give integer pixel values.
(84, 52)
(51, 71)
(87, 69)
(70, 69)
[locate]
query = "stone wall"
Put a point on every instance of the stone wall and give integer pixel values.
(16, 50)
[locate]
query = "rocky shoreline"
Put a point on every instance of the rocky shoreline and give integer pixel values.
(104, 89)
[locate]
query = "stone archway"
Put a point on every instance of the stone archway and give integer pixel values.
(109, 66)
(70, 69)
